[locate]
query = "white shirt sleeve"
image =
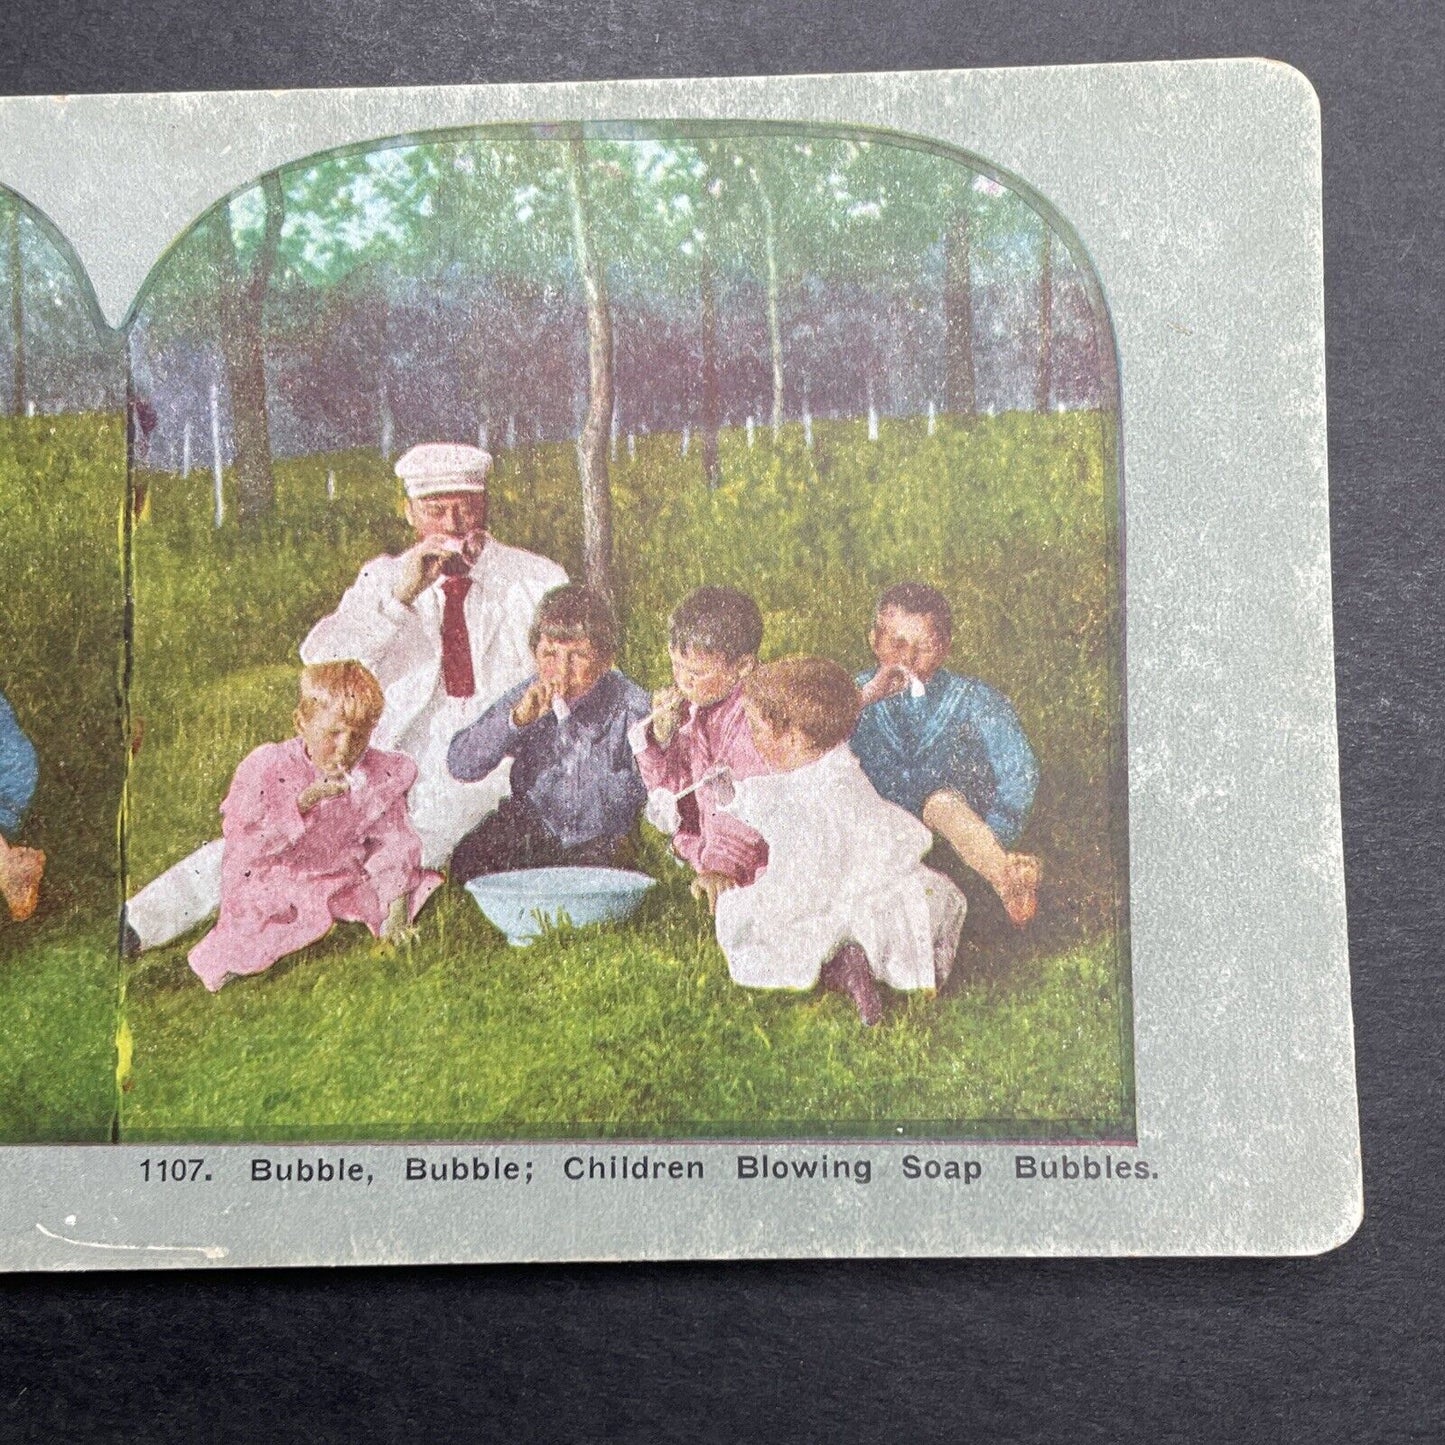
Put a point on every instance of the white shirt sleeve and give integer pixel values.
(369, 624)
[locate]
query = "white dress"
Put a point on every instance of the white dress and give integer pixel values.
(843, 866)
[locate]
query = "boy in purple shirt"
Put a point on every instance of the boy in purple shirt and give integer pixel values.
(697, 737)
(576, 793)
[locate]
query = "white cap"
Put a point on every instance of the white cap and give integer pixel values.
(435, 467)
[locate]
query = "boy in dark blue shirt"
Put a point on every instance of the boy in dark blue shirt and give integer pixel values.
(948, 748)
(576, 792)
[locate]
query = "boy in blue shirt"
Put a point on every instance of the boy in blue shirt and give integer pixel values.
(20, 868)
(947, 748)
(576, 792)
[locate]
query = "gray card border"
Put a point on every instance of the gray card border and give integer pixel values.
(1195, 188)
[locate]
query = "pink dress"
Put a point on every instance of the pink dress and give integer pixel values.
(286, 877)
(712, 841)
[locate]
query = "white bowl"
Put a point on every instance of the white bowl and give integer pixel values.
(526, 901)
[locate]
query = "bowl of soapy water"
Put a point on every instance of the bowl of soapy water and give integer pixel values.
(526, 902)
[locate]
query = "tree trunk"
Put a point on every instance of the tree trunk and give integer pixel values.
(242, 308)
(592, 445)
(478, 350)
(707, 287)
(449, 210)
(775, 332)
(960, 396)
(1044, 390)
(17, 309)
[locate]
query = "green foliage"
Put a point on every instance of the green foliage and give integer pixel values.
(493, 203)
(62, 486)
(637, 1030)
(67, 360)
(61, 490)
(58, 995)
(622, 1031)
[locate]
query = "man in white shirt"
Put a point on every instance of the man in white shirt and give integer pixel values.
(444, 627)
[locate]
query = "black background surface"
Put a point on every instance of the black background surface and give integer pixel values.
(1345, 1347)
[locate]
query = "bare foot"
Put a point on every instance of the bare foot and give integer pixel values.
(20, 873)
(1019, 888)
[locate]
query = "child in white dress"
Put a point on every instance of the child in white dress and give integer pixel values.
(845, 899)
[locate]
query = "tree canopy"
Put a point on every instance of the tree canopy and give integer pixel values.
(803, 269)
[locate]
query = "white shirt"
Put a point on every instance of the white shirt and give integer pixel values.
(402, 644)
(844, 866)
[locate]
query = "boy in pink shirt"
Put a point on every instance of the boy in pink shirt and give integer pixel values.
(697, 738)
(315, 833)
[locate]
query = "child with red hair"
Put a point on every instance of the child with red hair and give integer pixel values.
(315, 833)
(846, 900)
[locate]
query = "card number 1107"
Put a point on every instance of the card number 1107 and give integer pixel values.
(172, 1171)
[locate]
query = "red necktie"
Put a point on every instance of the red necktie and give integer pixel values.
(457, 673)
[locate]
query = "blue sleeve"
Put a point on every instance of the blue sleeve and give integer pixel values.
(1015, 769)
(867, 743)
(477, 749)
(880, 769)
(19, 770)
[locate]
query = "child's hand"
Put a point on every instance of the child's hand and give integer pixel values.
(326, 788)
(669, 707)
(662, 811)
(398, 931)
(533, 703)
(724, 790)
(711, 886)
(887, 682)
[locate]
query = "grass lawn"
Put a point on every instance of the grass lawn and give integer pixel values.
(636, 1030)
(62, 485)
(58, 999)
(633, 1030)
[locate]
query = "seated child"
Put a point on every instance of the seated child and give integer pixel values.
(315, 832)
(845, 898)
(20, 868)
(947, 748)
(696, 736)
(576, 793)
